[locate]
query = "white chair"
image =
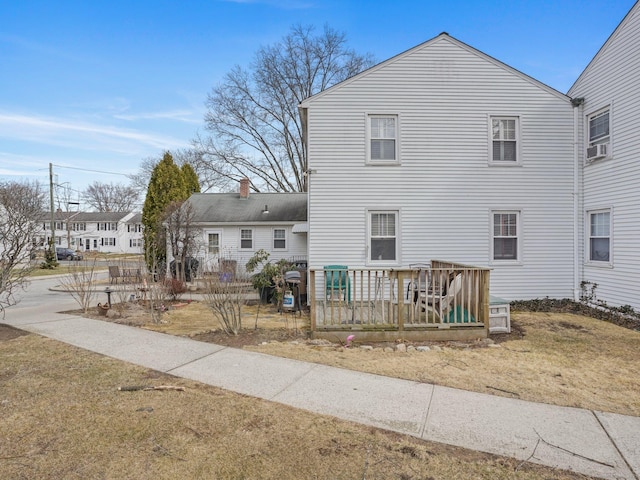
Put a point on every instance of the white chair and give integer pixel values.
(439, 305)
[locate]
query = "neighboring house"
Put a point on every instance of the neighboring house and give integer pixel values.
(90, 231)
(608, 120)
(236, 225)
(443, 152)
(133, 240)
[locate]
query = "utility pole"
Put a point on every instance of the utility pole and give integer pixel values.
(53, 220)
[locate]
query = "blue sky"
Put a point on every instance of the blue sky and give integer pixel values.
(102, 85)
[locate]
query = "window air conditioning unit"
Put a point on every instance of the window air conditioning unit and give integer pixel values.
(597, 151)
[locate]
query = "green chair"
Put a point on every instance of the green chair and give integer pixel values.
(337, 282)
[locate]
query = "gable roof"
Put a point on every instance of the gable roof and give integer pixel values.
(86, 217)
(442, 37)
(232, 209)
(607, 44)
(101, 216)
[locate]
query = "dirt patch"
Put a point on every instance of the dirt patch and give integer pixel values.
(8, 332)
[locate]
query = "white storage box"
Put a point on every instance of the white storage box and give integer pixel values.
(499, 315)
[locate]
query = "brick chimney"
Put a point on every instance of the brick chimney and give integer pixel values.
(244, 187)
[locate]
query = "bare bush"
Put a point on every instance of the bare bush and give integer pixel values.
(20, 205)
(226, 299)
(81, 283)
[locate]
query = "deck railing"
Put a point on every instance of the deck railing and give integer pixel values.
(440, 295)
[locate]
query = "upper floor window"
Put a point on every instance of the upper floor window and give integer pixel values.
(134, 227)
(383, 138)
(246, 238)
(599, 135)
(79, 226)
(505, 236)
(107, 226)
(279, 238)
(504, 140)
(600, 236)
(383, 239)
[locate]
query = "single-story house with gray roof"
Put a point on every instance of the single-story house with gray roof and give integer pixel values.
(236, 225)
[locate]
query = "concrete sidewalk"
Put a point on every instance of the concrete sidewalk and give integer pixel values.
(594, 443)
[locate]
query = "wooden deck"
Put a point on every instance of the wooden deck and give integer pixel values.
(440, 301)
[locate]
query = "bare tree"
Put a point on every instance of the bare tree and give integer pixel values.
(253, 114)
(182, 234)
(111, 197)
(21, 204)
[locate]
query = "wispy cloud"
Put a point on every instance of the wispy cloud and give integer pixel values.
(186, 116)
(78, 134)
(41, 48)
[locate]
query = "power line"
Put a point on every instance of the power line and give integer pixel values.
(92, 171)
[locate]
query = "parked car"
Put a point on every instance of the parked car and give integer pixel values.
(67, 254)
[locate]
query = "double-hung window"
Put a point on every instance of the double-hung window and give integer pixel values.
(599, 135)
(600, 236)
(505, 239)
(504, 140)
(246, 239)
(383, 236)
(213, 243)
(383, 138)
(279, 238)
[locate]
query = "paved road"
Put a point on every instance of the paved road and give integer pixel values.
(593, 443)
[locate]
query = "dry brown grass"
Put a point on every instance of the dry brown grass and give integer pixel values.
(62, 416)
(558, 358)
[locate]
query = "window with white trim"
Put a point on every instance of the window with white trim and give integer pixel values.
(109, 242)
(383, 238)
(505, 239)
(383, 138)
(135, 242)
(213, 241)
(279, 238)
(599, 134)
(600, 236)
(246, 238)
(504, 140)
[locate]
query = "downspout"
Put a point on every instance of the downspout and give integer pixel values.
(577, 104)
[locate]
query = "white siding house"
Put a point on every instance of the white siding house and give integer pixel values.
(609, 155)
(443, 152)
(106, 232)
(235, 226)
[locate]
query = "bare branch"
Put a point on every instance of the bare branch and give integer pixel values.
(21, 204)
(253, 115)
(111, 197)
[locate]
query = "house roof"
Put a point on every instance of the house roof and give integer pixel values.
(605, 46)
(442, 37)
(231, 208)
(87, 216)
(137, 218)
(101, 216)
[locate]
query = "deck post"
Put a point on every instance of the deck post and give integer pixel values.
(312, 306)
(399, 297)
